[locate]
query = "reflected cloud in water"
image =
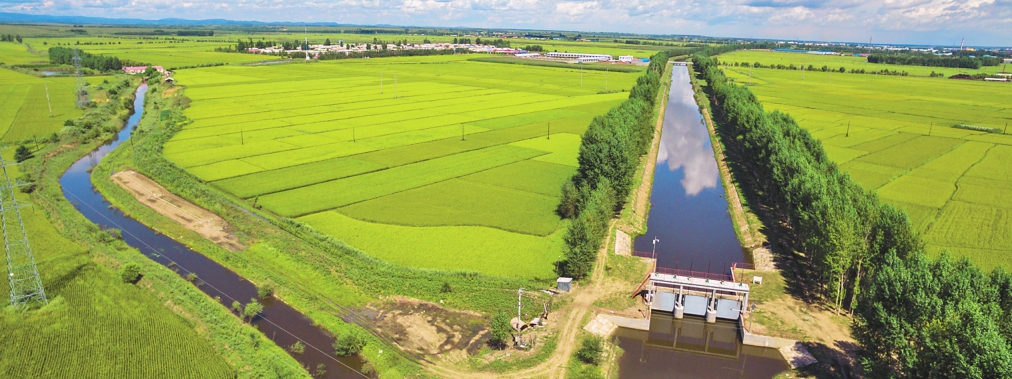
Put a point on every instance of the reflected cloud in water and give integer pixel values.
(687, 146)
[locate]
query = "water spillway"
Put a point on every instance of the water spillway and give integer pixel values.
(282, 323)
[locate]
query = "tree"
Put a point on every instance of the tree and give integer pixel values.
(237, 307)
(298, 347)
(252, 309)
(326, 42)
(23, 154)
(349, 343)
(130, 272)
(590, 350)
(150, 72)
(19, 38)
(501, 330)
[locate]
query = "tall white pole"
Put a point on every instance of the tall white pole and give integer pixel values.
(381, 82)
(395, 85)
(47, 100)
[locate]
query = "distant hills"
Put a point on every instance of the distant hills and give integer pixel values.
(32, 18)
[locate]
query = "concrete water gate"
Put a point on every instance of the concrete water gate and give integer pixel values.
(697, 296)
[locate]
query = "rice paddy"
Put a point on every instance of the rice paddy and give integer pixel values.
(895, 135)
(24, 111)
(432, 162)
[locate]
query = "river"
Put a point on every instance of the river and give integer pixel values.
(688, 212)
(689, 216)
(280, 322)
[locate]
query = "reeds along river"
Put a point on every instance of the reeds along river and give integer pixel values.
(689, 217)
(280, 322)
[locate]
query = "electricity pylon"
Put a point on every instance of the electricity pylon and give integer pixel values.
(23, 276)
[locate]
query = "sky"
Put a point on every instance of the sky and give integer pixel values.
(936, 22)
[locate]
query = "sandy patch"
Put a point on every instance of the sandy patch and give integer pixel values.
(195, 218)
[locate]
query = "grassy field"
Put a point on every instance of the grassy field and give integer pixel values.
(848, 62)
(24, 112)
(391, 175)
(953, 183)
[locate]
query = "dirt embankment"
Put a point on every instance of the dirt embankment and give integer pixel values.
(195, 218)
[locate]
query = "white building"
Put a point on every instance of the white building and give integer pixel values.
(583, 56)
(626, 58)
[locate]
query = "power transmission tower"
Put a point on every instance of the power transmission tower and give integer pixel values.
(23, 276)
(80, 85)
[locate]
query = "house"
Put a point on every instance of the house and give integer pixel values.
(626, 58)
(133, 70)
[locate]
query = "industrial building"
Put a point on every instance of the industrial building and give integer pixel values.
(581, 56)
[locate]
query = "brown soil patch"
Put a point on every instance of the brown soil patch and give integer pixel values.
(195, 218)
(426, 329)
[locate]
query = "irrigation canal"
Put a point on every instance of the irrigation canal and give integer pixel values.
(280, 322)
(689, 216)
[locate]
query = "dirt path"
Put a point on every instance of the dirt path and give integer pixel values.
(195, 218)
(762, 258)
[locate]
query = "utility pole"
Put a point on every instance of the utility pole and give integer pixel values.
(1006, 129)
(581, 76)
(353, 134)
(520, 320)
(932, 126)
(381, 82)
(848, 128)
(549, 130)
(607, 71)
(461, 132)
(395, 85)
(22, 273)
(242, 138)
(48, 101)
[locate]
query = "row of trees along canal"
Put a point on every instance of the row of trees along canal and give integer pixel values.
(609, 155)
(915, 318)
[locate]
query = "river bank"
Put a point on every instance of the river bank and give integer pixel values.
(779, 312)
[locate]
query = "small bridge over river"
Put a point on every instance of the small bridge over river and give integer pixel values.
(710, 295)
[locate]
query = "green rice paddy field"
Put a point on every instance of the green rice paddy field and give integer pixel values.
(387, 171)
(955, 184)
(835, 62)
(24, 112)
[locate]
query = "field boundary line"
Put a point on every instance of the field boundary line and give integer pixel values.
(934, 217)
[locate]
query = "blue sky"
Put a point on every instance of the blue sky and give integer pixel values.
(981, 22)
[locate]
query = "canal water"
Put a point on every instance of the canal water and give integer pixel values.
(689, 217)
(280, 322)
(688, 212)
(691, 348)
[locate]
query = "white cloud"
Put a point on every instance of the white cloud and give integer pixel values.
(901, 21)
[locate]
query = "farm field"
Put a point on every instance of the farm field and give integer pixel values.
(388, 172)
(848, 62)
(24, 112)
(953, 183)
(95, 325)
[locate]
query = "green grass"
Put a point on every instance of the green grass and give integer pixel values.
(16, 53)
(456, 150)
(950, 181)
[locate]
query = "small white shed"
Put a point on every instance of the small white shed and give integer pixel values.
(564, 284)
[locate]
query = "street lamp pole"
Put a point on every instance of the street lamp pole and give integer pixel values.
(654, 252)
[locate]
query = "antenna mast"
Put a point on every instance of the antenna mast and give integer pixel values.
(80, 85)
(22, 274)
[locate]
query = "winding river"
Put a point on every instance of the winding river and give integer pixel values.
(280, 322)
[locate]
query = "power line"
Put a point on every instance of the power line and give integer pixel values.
(22, 273)
(264, 317)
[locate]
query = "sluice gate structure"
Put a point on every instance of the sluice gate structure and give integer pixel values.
(685, 292)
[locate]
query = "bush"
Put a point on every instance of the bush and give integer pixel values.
(265, 290)
(130, 272)
(23, 154)
(501, 330)
(349, 343)
(590, 350)
(446, 288)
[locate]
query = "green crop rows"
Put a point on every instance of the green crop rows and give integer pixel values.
(953, 183)
(450, 165)
(24, 112)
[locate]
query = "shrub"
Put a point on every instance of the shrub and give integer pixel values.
(446, 288)
(23, 154)
(590, 350)
(349, 343)
(130, 272)
(501, 330)
(265, 290)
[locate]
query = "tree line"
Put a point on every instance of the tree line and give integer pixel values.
(10, 38)
(811, 67)
(934, 60)
(915, 318)
(608, 158)
(65, 55)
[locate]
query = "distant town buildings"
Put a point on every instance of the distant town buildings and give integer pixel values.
(133, 70)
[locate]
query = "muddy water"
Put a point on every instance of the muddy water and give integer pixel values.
(688, 212)
(280, 322)
(691, 348)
